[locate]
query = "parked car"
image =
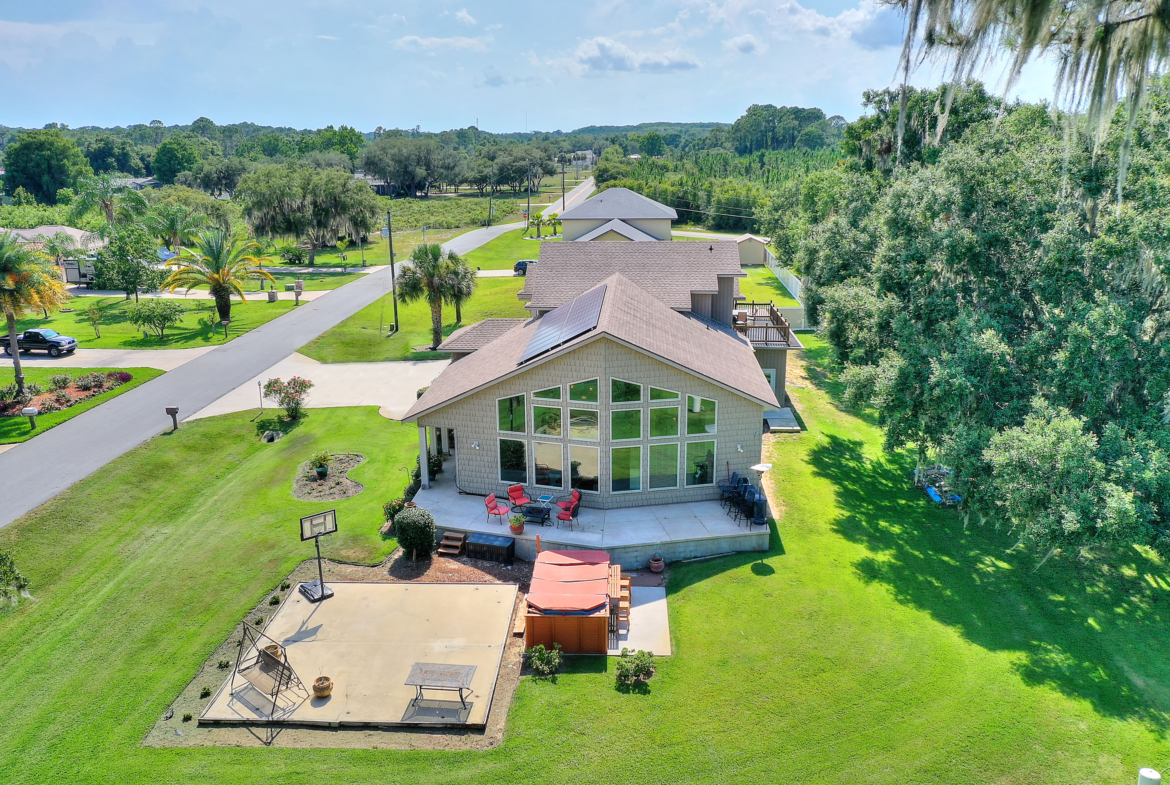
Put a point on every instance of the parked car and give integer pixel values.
(521, 267)
(50, 341)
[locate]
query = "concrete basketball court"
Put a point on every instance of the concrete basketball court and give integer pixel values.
(366, 638)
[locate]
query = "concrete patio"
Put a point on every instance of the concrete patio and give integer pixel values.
(631, 535)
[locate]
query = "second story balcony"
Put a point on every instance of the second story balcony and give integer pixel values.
(764, 326)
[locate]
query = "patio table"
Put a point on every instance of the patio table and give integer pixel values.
(536, 513)
(439, 676)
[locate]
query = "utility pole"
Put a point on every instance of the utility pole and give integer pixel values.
(393, 281)
(528, 215)
(562, 185)
(491, 192)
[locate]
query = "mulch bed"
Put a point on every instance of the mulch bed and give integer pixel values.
(336, 484)
(47, 401)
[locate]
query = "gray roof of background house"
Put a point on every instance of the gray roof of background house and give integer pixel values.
(476, 336)
(669, 271)
(630, 316)
(81, 237)
(619, 226)
(619, 203)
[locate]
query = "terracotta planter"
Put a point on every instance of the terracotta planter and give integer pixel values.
(516, 528)
(272, 653)
(657, 564)
(322, 687)
(408, 505)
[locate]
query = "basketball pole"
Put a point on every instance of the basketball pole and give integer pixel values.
(320, 569)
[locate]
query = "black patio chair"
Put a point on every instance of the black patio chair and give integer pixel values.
(725, 488)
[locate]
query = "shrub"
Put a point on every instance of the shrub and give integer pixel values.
(48, 407)
(90, 381)
(415, 529)
(155, 315)
(634, 665)
(224, 664)
(13, 585)
(258, 620)
(118, 377)
(285, 585)
(275, 600)
(435, 465)
(320, 460)
(59, 381)
(544, 662)
(205, 692)
(33, 389)
(62, 398)
(187, 717)
(290, 395)
(8, 392)
(391, 509)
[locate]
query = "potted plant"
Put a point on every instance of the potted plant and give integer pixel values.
(322, 686)
(320, 462)
(656, 563)
(516, 524)
(272, 653)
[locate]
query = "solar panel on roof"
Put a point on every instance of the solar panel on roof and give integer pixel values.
(565, 323)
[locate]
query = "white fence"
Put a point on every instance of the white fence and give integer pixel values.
(795, 316)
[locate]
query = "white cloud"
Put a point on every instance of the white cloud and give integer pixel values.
(456, 42)
(327, 37)
(605, 55)
(745, 44)
(465, 17)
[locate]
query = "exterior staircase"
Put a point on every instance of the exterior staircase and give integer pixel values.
(452, 544)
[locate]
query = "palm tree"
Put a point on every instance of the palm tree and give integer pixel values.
(537, 221)
(461, 284)
(554, 222)
(104, 192)
(174, 224)
(59, 247)
(221, 262)
(26, 283)
(429, 277)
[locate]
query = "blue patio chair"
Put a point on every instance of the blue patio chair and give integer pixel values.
(726, 488)
(747, 504)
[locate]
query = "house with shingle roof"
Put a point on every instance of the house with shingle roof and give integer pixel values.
(636, 217)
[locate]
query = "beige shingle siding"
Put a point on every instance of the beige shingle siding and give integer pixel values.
(776, 359)
(739, 422)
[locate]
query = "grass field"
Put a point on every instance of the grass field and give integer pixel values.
(507, 249)
(762, 286)
(15, 429)
(357, 339)
(878, 641)
(315, 280)
(200, 325)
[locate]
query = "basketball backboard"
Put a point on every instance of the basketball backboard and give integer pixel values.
(313, 526)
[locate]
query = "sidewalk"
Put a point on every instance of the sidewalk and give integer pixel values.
(391, 386)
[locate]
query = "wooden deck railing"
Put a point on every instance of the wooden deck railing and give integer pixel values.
(762, 323)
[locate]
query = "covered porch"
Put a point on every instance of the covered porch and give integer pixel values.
(631, 535)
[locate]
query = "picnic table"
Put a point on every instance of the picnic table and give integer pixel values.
(440, 676)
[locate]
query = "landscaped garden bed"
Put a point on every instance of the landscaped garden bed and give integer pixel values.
(60, 394)
(336, 483)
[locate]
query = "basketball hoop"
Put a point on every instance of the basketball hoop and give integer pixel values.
(314, 527)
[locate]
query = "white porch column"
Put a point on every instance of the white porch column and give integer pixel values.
(423, 454)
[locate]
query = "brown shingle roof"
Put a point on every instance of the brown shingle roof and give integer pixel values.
(630, 316)
(668, 271)
(476, 336)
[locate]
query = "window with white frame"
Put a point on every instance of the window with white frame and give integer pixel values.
(663, 421)
(548, 464)
(699, 466)
(663, 466)
(625, 468)
(584, 468)
(546, 420)
(583, 424)
(513, 461)
(700, 415)
(510, 414)
(658, 394)
(625, 424)
(548, 394)
(621, 391)
(583, 392)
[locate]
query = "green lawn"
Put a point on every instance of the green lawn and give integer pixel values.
(200, 325)
(315, 280)
(762, 286)
(15, 429)
(357, 339)
(507, 249)
(377, 250)
(878, 641)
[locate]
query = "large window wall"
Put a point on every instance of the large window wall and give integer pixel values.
(639, 438)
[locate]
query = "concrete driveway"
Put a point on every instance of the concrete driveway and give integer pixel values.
(163, 359)
(391, 386)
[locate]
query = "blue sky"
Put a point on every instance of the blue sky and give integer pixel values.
(441, 64)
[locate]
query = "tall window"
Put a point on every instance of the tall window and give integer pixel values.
(663, 422)
(624, 392)
(625, 469)
(585, 391)
(510, 414)
(583, 424)
(546, 420)
(583, 468)
(663, 466)
(550, 394)
(549, 464)
(625, 424)
(700, 415)
(700, 463)
(513, 461)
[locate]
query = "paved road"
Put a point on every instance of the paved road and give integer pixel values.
(477, 237)
(163, 359)
(572, 198)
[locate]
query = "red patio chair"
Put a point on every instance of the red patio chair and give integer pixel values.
(574, 498)
(569, 515)
(494, 507)
(517, 497)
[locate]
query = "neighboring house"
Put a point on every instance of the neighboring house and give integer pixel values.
(380, 187)
(613, 393)
(622, 205)
(700, 278)
(584, 158)
(137, 183)
(84, 239)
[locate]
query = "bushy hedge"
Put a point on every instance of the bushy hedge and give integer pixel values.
(415, 529)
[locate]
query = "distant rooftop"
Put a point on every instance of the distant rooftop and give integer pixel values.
(621, 203)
